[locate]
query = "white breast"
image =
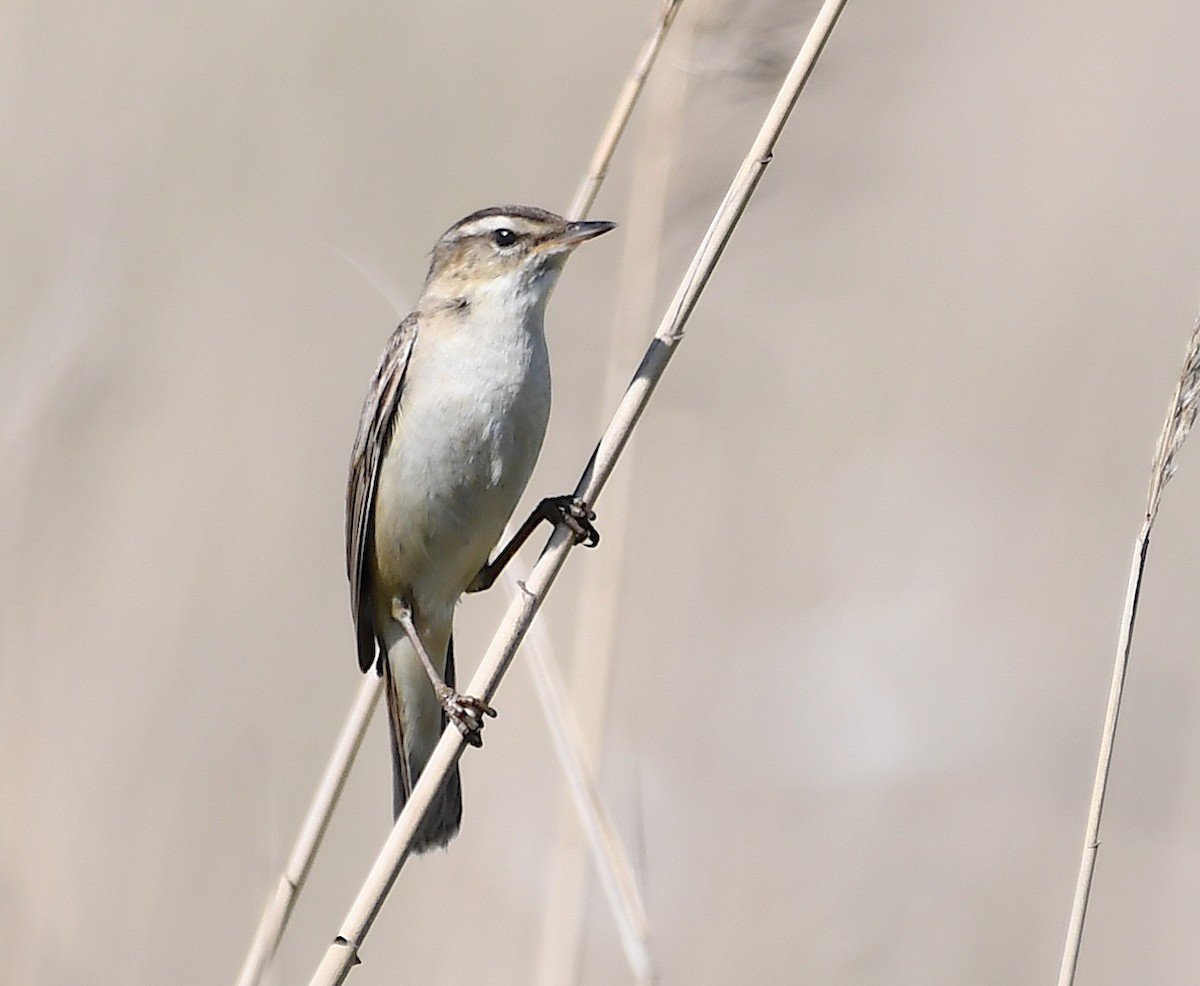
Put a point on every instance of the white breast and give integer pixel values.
(472, 417)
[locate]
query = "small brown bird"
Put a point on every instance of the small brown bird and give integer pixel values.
(448, 438)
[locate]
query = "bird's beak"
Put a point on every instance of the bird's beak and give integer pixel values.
(583, 229)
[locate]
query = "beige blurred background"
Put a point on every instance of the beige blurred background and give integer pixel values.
(882, 505)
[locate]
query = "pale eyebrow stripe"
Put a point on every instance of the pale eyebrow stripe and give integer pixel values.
(490, 224)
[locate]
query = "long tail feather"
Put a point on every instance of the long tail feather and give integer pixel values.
(442, 820)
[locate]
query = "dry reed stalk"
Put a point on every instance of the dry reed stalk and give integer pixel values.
(1181, 415)
(619, 118)
(342, 954)
(279, 907)
(569, 739)
(564, 912)
(617, 874)
(573, 744)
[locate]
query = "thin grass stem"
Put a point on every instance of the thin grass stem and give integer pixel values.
(627, 99)
(617, 875)
(1181, 415)
(594, 627)
(279, 908)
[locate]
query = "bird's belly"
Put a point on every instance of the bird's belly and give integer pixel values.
(458, 462)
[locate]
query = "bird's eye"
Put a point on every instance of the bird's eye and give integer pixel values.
(504, 237)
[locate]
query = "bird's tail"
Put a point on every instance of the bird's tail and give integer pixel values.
(415, 723)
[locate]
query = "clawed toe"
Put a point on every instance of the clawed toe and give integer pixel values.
(467, 712)
(578, 516)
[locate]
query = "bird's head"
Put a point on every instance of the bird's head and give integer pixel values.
(508, 255)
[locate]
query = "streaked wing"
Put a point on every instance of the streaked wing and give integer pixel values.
(374, 432)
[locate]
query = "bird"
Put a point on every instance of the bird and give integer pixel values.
(449, 434)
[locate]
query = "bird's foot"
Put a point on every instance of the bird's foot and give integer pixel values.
(576, 514)
(466, 712)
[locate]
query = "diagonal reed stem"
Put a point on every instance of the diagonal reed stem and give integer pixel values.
(1181, 415)
(589, 188)
(342, 954)
(279, 908)
(618, 877)
(582, 822)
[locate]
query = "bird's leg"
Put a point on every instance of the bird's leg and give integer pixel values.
(465, 711)
(567, 509)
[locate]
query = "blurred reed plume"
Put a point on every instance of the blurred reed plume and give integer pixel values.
(1180, 418)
